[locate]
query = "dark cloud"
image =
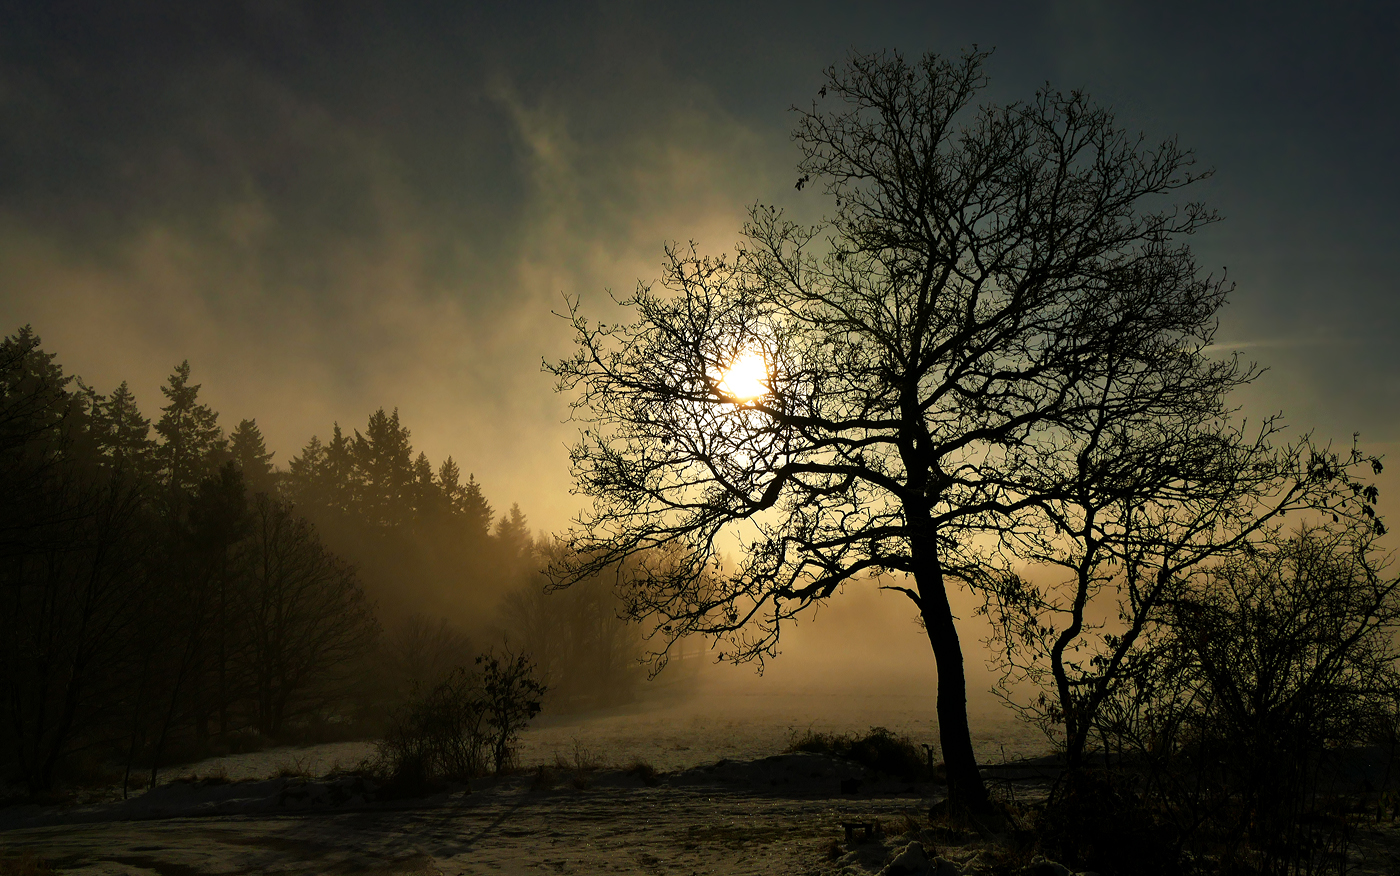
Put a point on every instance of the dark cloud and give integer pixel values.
(332, 207)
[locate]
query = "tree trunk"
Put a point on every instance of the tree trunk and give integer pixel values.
(966, 790)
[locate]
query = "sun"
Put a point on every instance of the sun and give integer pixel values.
(746, 378)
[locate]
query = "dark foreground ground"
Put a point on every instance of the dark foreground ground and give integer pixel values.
(776, 816)
(779, 815)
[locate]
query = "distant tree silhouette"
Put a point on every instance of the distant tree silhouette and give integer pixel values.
(465, 499)
(383, 458)
(936, 355)
(586, 650)
(122, 433)
(421, 539)
(513, 533)
(189, 431)
(308, 617)
(422, 652)
(250, 454)
(73, 555)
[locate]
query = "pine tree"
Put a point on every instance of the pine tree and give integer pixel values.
(340, 478)
(475, 509)
(34, 397)
(383, 459)
(449, 481)
(251, 456)
(123, 435)
(429, 503)
(190, 434)
(513, 534)
(305, 471)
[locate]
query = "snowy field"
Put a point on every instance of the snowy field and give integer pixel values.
(725, 803)
(712, 726)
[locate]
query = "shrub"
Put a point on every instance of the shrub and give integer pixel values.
(465, 725)
(646, 772)
(879, 750)
(1093, 821)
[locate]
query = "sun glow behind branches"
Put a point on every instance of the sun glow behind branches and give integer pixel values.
(746, 378)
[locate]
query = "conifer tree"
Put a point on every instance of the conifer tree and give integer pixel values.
(251, 456)
(122, 434)
(465, 500)
(476, 510)
(383, 457)
(33, 391)
(513, 534)
(449, 482)
(189, 431)
(340, 477)
(304, 472)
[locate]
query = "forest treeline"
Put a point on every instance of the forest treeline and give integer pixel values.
(169, 592)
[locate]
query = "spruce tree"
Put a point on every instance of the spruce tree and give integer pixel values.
(513, 535)
(383, 458)
(190, 434)
(304, 473)
(123, 435)
(340, 478)
(475, 509)
(251, 456)
(428, 501)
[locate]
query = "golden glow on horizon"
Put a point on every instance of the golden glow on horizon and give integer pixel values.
(746, 378)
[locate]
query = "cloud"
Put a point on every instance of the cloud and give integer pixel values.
(307, 262)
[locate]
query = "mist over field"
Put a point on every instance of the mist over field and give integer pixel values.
(420, 395)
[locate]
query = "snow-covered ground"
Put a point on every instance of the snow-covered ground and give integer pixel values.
(758, 813)
(777, 816)
(711, 726)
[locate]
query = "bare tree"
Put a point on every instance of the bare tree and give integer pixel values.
(1147, 509)
(581, 641)
(421, 653)
(307, 616)
(1293, 649)
(930, 356)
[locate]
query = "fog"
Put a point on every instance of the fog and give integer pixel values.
(332, 213)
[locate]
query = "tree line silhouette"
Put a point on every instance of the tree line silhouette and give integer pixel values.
(167, 592)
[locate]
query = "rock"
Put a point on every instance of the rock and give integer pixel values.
(944, 867)
(908, 861)
(1043, 866)
(912, 860)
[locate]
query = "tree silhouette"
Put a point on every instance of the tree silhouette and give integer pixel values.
(189, 432)
(513, 534)
(465, 499)
(307, 614)
(122, 433)
(251, 455)
(935, 354)
(383, 457)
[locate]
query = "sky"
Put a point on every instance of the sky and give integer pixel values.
(330, 208)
